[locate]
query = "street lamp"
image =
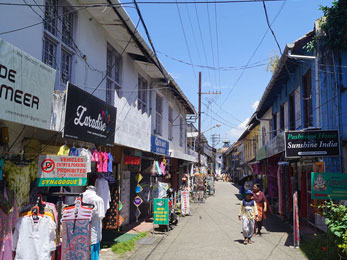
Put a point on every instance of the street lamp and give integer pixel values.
(217, 125)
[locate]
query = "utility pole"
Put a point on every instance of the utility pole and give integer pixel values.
(199, 117)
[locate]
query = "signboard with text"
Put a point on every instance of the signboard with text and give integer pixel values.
(88, 118)
(161, 211)
(329, 186)
(26, 87)
(312, 143)
(55, 170)
(159, 145)
(185, 202)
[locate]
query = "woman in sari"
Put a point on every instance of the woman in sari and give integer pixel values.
(262, 206)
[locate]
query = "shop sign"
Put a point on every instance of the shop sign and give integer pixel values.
(88, 118)
(26, 87)
(55, 170)
(159, 145)
(312, 143)
(128, 159)
(185, 202)
(161, 211)
(329, 186)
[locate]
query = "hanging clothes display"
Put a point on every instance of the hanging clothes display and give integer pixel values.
(110, 162)
(112, 213)
(76, 232)
(86, 153)
(64, 150)
(19, 178)
(74, 151)
(8, 219)
(103, 191)
(90, 197)
(34, 239)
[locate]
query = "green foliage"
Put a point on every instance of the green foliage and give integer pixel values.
(321, 247)
(274, 59)
(127, 246)
(336, 221)
(334, 25)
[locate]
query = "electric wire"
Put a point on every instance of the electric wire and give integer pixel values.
(186, 42)
(253, 54)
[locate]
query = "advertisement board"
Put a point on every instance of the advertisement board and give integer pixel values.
(329, 186)
(185, 202)
(161, 211)
(159, 145)
(26, 87)
(88, 118)
(55, 170)
(312, 143)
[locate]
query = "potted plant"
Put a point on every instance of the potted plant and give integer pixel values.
(336, 221)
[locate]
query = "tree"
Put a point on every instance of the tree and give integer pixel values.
(274, 59)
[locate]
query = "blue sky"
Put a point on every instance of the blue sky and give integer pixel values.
(240, 28)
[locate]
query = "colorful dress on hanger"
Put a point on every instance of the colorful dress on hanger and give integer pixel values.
(64, 150)
(76, 232)
(8, 219)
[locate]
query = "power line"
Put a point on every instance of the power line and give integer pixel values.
(253, 54)
(269, 25)
(125, 4)
(211, 41)
(185, 39)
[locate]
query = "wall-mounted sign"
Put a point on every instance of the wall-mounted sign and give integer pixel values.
(88, 118)
(312, 143)
(161, 211)
(329, 185)
(26, 87)
(54, 170)
(159, 145)
(128, 159)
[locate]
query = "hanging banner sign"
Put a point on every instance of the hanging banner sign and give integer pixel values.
(54, 170)
(88, 118)
(26, 87)
(312, 143)
(329, 186)
(185, 202)
(161, 211)
(296, 224)
(159, 145)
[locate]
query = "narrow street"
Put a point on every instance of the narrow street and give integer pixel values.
(213, 232)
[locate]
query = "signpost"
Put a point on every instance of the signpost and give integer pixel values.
(57, 170)
(161, 211)
(185, 202)
(312, 143)
(329, 185)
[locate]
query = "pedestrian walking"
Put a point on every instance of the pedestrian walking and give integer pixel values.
(262, 207)
(248, 214)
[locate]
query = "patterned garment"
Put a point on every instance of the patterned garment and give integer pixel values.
(7, 224)
(76, 240)
(19, 178)
(112, 213)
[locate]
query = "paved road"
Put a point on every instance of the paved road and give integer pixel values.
(214, 232)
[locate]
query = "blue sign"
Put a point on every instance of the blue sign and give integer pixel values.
(159, 146)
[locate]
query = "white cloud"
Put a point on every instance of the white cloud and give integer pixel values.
(255, 105)
(236, 132)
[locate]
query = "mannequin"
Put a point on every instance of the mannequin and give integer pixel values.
(90, 197)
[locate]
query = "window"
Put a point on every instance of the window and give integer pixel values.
(159, 115)
(182, 132)
(282, 118)
(113, 71)
(170, 120)
(57, 41)
(274, 124)
(308, 99)
(142, 94)
(49, 53)
(292, 111)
